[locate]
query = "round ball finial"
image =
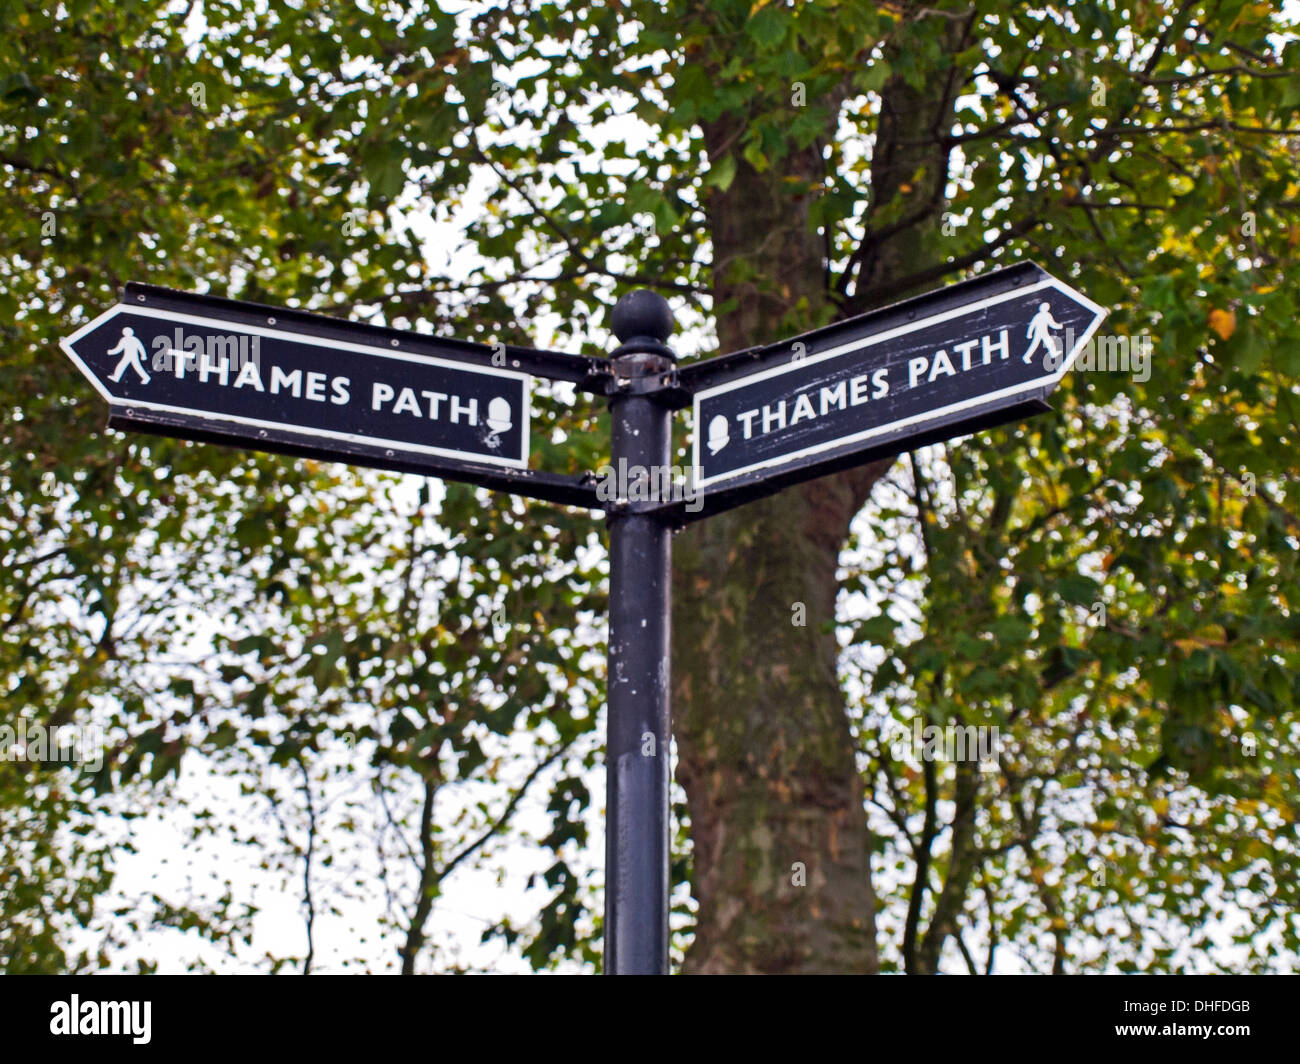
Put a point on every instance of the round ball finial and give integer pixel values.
(642, 314)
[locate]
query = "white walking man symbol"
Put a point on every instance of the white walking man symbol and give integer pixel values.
(132, 351)
(1040, 326)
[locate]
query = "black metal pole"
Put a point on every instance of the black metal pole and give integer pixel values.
(638, 726)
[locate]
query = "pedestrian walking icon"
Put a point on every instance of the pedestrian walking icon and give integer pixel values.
(132, 352)
(1039, 331)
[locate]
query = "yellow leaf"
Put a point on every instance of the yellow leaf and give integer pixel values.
(1223, 322)
(1212, 635)
(1276, 797)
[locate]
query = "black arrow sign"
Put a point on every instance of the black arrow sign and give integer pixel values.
(966, 357)
(212, 369)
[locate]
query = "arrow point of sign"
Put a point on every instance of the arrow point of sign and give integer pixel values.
(1081, 340)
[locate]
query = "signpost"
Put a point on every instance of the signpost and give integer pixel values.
(973, 355)
(965, 358)
(280, 380)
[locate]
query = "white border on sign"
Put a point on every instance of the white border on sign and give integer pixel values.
(312, 341)
(929, 415)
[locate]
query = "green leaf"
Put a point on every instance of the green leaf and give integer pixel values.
(877, 630)
(722, 173)
(768, 27)
(1078, 589)
(873, 77)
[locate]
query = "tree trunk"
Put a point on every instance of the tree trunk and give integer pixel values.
(765, 754)
(781, 848)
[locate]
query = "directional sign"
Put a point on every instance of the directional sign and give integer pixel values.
(283, 380)
(966, 357)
